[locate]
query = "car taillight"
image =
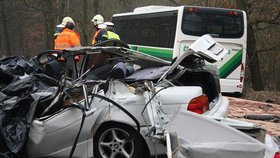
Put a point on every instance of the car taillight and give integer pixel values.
(277, 155)
(199, 104)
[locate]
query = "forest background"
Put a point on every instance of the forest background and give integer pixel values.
(27, 27)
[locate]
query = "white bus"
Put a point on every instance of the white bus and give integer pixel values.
(166, 32)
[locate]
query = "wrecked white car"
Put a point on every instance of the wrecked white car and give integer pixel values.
(115, 102)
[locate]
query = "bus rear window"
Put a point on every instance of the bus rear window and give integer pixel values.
(219, 23)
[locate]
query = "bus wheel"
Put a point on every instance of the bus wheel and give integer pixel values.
(118, 141)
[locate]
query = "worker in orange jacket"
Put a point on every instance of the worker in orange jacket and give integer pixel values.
(68, 37)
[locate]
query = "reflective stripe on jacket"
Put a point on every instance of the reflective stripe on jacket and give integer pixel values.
(66, 39)
(113, 35)
(99, 35)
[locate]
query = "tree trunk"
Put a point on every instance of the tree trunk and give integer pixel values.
(254, 61)
(278, 81)
(49, 25)
(21, 34)
(5, 29)
(85, 23)
(96, 7)
(60, 7)
(253, 58)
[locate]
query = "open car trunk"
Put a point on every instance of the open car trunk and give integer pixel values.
(209, 82)
(188, 69)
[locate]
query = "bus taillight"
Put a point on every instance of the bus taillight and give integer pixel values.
(193, 10)
(233, 13)
(242, 72)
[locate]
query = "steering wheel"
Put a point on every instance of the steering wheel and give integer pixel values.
(47, 56)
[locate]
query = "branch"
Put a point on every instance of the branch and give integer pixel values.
(34, 9)
(268, 21)
(277, 2)
(270, 26)
(276, 17)
(276, 48)
(174, 2)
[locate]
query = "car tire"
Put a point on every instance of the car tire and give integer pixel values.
(110, 141)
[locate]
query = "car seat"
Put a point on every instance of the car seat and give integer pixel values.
(54, 69)
(101, 72)
(120, 71)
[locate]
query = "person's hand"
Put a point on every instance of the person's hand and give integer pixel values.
(77, 58)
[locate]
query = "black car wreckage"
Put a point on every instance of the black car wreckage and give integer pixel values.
(28, 87)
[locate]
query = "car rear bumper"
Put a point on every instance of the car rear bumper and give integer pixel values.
(221, 108)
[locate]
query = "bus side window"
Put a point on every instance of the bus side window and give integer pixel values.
(166, 34)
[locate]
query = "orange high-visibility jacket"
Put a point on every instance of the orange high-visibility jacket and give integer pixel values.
(66, 39)
(94, 37)
(99, 35)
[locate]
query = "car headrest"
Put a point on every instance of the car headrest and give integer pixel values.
(120, 71)
(54, 69)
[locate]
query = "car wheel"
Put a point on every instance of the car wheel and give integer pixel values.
(110, 141)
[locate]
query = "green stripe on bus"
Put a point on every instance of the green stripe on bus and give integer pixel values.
(166, 54)
(231, 65)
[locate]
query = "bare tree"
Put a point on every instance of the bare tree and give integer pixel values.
(263, 18)
(61, 10)
(5, 28)
(49, 24)
(175, 2)
(251, 49)
(85, 22)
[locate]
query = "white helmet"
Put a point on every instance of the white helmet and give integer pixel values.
(108, 23)
(66, 20)
(97, 19)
